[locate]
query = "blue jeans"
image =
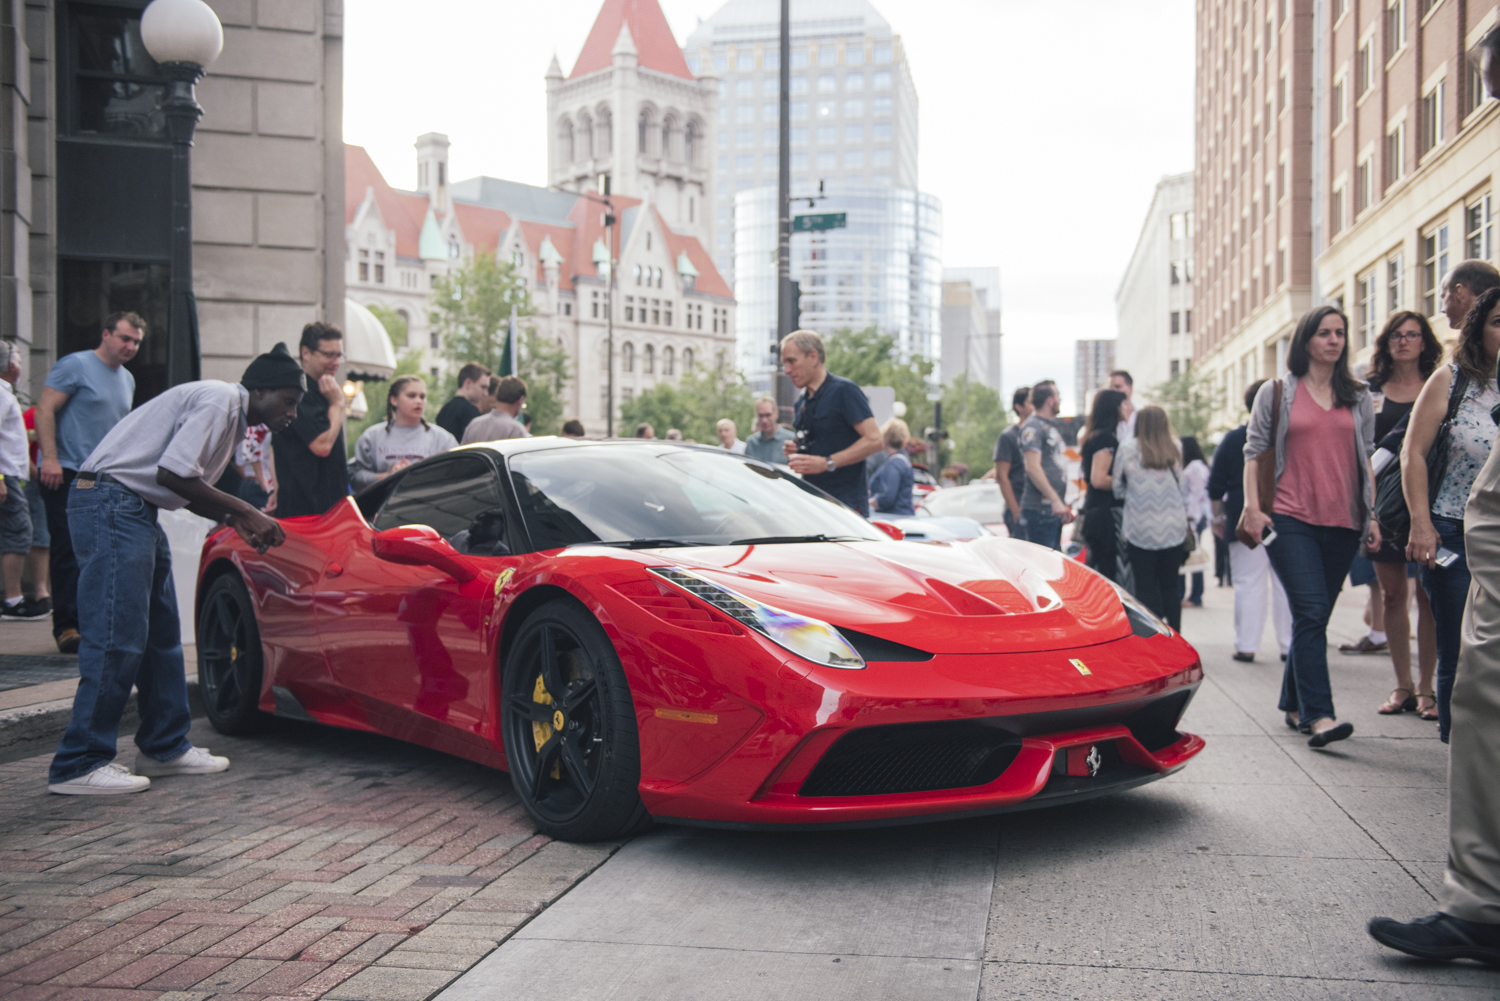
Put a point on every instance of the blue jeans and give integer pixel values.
(1042, 527)
(1312, 561)
(127, 615)
(1448, 590)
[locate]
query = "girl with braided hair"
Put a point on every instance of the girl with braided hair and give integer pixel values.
(403, 439)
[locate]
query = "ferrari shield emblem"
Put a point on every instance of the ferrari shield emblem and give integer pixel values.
(1082, 667)
(503, 578)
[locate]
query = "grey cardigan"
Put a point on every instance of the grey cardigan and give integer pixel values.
(1258, 438)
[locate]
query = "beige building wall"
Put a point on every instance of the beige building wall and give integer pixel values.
(1154, 303)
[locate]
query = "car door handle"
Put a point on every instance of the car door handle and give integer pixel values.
(332, 571)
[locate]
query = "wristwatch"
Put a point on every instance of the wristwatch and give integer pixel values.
(831, 466)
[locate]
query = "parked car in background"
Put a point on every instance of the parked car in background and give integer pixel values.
(922, 482)
(939, 529)
(980, 501)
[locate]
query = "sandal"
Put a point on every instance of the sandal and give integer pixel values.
(1394, 705)
(1429, 712)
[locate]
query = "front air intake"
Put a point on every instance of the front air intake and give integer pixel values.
(912, 757)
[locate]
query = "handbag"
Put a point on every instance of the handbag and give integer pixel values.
(1438, 454)
(1190, 539)
(1265, 474)
(1390, 501)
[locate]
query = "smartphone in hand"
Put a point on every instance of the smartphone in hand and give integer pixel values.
(1445, 557)
(1268, 536)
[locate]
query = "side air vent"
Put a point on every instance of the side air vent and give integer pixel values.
(875, 648)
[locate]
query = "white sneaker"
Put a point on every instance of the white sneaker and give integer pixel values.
(197, 761)
(106, 780)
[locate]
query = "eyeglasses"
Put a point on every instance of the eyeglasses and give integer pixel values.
(1410, 335)
(330, 355)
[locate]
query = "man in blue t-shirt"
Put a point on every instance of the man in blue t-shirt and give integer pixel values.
(836, 429)
(87, 393)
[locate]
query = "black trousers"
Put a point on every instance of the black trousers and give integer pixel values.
(62, 564)
(1099, 534)
(1156, 581)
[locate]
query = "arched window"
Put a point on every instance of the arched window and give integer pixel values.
(690, 144)
(583, 148)
(604, 132)
(648, 360)
(687, 359)
(637, 274)
(565, 140)
(669, 138)
(627, 357)
(667, 358)
(643, 133)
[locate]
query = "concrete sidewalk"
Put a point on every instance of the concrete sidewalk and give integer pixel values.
(1248, 875)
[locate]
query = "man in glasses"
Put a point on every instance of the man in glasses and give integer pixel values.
(312, 472)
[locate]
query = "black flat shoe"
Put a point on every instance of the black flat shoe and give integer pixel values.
(1441, 937)
(1295, 724)
(1325, 737)
(1244, 658)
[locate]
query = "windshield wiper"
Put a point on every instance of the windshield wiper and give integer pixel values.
(636, 543)
(770, 540)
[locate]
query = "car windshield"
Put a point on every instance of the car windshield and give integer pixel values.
(670, 495)
(982, 503)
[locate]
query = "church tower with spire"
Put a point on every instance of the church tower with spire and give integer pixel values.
(633, 111)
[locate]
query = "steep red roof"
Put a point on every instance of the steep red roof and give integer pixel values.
(404, 213)
(562, 238)
(656, 47)
(588, 216)
(482, 225)
(710, 282)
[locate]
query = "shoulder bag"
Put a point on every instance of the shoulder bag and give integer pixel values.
(1265, 473)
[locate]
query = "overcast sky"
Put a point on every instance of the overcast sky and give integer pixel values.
(1044, 136)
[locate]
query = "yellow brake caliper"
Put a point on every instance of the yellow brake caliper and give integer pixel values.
(542, 732)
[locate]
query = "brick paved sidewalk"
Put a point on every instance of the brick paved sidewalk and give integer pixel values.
(324, 863)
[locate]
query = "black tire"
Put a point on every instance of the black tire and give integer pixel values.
(580, 781)
(229, 659)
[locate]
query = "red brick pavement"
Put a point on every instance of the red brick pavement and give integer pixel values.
(323, 863)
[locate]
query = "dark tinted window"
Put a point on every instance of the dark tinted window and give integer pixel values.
(448, 494)
(615, 493)
(115, 88)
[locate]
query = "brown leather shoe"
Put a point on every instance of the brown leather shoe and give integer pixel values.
(1365, 645)
(67, 641)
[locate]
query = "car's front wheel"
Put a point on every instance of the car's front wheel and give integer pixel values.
(229, 658)
(569, 727)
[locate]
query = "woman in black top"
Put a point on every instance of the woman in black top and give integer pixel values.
(1406, 353)
(1098, 455)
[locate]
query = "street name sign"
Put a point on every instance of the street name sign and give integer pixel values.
(824, 220)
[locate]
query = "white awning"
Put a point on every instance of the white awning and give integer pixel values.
(368, 354)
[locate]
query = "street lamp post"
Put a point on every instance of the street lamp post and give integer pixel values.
(184, 37)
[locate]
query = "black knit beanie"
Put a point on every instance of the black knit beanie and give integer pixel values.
(276, 369)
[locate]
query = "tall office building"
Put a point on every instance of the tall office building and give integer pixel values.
(971, 326)
(1154, 304)
(853, 104)
(1092, 363)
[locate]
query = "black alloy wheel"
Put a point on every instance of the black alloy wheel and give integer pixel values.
(568, 723)
(229, 658)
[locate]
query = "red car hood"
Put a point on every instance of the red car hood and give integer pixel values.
(986, 596)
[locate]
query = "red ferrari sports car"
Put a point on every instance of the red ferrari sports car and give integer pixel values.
(641, 629)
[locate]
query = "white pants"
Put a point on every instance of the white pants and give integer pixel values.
(1249, 569)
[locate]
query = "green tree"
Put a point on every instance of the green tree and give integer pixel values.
(973, 418)
(394, 325)
(1190, 399)
(694, 406)
(545, 367)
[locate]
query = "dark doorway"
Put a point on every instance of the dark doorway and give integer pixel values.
(88, 291)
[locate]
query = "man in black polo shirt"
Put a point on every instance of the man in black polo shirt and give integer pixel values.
(473, 387)
(312, 472)
(836, 429)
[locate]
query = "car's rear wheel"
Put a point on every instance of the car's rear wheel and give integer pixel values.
(229, 658)
(569, 727)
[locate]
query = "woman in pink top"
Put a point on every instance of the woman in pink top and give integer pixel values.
(1324, 436)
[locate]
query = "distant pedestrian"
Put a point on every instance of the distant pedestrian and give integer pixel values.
(1462, 287)
(87, 393)
(1324, 434)
(1249, 569)
(1467, 923)
(1102, 510)
(836, 429)
(768, 443)
(164, 456)
(1121, 382)
(644, 430)
(1010, 461)
(473, 386)
(1148, 478)
(501, 423)
(403, 440)
(673, 435)
(890, 490)
(1044, 509)
(729, 437)
(1465, 388)
(573, 429)
(15, 514)
(310, 455)
(1406, 354)
(37, 563)
(1199, 512)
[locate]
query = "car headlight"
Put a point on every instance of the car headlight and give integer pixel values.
(809, 638)
(1143, 622)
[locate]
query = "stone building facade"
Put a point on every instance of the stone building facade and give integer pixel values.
(1154, 303)
(85, 197)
